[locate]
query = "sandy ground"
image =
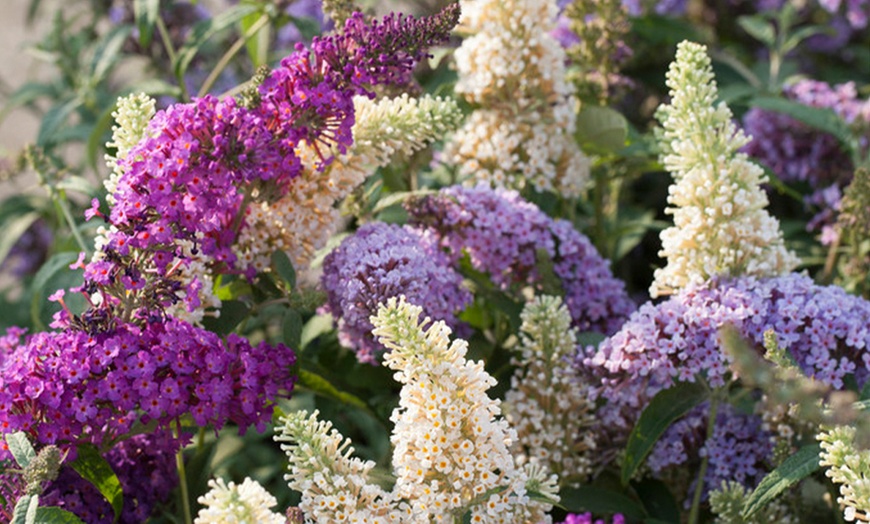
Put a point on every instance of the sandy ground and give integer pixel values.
(17, 66)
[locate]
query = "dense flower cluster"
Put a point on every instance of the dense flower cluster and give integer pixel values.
(586, 518)
(334, 484)
(302, 221)
(739, 449)
(823, 328)
(145, 466)
(450, 452)
(547, 405)
(70, 387)
(381, 261)
(850, 468)
(797, 152)
(720, 224)
(522, 134)
(504, 236)
(247, 502)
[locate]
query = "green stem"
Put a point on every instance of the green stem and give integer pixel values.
(702, 472)
(600, 230)
(182, 479)
(170, 50)
(61, 202)
(230, 53)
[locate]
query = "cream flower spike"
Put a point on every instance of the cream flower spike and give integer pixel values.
(721, 226)
(550, 411)
(231, 503)
(514, 70)
(849, 467)
(451, 450)
(334, 485)
(131, 116)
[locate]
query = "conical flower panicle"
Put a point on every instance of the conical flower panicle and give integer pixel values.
(721, 226)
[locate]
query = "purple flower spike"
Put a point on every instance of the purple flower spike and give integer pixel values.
(503, 234)
(739, 448)
(826, 330)
(382, 261)
(69, 387)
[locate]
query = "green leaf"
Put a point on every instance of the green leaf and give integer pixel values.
(795, 468)
(802, 34)
(257, 46)
(13, 228)
(94, 468)
(20, 448)
(51, 515)
(323, 387)
(146, 13)
(758, 28)
(284, 268)
(53, 275)
(98, 135)
(665, 408)
(54, 119)
(292, 328)
(601, 128)
(308, 27)
(865, 391)
(658, 500)
(822, 119)
(232, 312)
(600, 500)
(25, 510)
(316, 326)
(107, 53)
(206, 29)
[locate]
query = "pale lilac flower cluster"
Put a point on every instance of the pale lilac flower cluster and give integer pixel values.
(381, 261)
(738, 450)
(797, 152)
(145, 466)
(503, 236)
(70, 387)
(826, 331)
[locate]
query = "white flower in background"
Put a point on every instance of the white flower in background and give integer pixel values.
(721, 226)
(303, 220)
(850, 468)
(514, 70)
(546, 404)
(231, 503)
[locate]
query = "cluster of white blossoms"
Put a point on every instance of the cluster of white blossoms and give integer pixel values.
(231, 503)
(849, 467)
(131, 115)
(335, 486)
(514, 71)
(547, 405)
(721, 226)
(304, 219)
(451, 451)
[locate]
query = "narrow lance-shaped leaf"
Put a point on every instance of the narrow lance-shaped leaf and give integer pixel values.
(20, 448)
(94, 468)
(146, 13)
(664, 409)
(795, 468)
